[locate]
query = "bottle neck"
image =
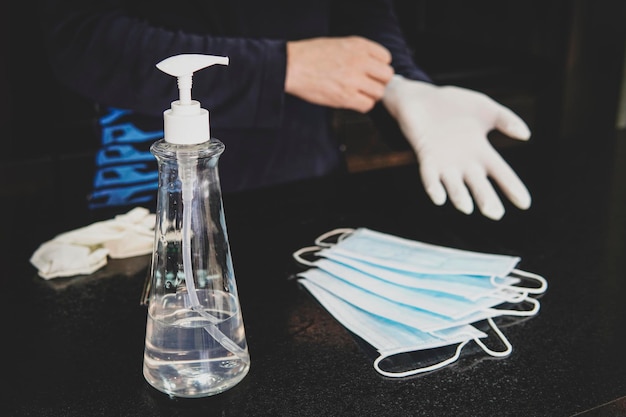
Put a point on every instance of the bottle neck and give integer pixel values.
(164, 150)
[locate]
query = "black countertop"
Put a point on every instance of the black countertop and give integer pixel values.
(74, 346)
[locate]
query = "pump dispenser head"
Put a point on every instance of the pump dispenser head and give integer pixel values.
(186, 122)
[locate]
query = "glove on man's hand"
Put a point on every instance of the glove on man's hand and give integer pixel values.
(447, 127)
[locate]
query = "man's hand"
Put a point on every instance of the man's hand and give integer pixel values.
(447, 127)
(348, 72)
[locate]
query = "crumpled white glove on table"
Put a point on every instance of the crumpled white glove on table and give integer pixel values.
(85, 250)
(447, 127)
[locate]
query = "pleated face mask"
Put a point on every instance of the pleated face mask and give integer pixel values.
(408, 255)
(390, 338)
(400, 310)
(420, 265)
(352, 283)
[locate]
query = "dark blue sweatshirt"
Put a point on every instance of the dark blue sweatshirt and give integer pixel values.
(107, 52)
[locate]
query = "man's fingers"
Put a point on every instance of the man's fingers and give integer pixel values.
(346, 72)
(380, 72)
(370, 87)
(360, 102)
(376, 50)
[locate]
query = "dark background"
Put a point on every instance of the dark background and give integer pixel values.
(563, 56)
(559, 64)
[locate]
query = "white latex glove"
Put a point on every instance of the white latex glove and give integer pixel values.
(58, 259)
(126, 235)
(85, 250)
(447, 127)
(137, 234)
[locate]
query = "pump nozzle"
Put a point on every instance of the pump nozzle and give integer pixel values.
(183, 66)
(186, 122)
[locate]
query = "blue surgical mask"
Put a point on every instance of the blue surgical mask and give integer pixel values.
(364, 281)
(413, 256)
(466, 286)
(390, 338)
(398, 257)
(417, 315)
(434, 301)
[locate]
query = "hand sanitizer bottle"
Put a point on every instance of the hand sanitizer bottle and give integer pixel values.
(195, 339)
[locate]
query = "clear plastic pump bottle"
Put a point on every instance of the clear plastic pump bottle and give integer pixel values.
(195, 339)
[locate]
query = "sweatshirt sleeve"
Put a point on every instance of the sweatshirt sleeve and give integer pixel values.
(376, 20)
(107, 53)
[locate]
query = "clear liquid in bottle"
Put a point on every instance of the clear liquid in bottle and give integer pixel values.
(183, 358)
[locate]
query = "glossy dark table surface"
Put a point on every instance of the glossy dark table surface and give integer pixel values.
(74, 346)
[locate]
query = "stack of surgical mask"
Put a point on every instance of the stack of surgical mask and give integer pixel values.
(404, 296)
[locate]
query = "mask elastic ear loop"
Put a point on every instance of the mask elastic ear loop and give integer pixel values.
(341, 231)
(543, 283)
(297, 255)
(429, 368)
(519, 313)
(455, 357)
(503, 339)
(510, 296)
